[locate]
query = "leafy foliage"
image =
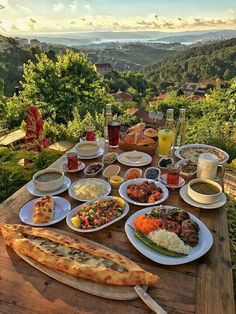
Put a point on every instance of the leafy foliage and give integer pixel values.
(211, 120)
(216, 60)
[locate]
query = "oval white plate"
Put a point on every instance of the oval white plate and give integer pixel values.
(163, 179)
(32, 190)
(64, 166)
(204, 244)
(72, 213)
(106, 185)
(123, 193)
(124, 159)
(178, 151)
(184, 194)
(61, 208)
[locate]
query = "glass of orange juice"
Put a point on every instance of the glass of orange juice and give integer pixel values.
(165, 141)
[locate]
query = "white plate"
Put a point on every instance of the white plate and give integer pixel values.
(124, 159)
(61, 209)
(163, 179)
(178, 151)
(32, 190)
(72, 213)
(123, 193)
(106, 185)
(184, 194)
(204, 244)
(65, 168)
(100, 153)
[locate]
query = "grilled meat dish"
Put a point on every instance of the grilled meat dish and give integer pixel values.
(145, 192)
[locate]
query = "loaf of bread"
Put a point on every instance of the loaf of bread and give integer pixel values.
(138, 128)
(138, 139)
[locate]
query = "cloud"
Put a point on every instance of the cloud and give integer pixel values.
(58, 7)
(14, 27)
(23, 8)
(73, 6)
(87, 6)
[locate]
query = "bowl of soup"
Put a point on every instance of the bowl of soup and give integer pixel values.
(204, 191)
(87, 148)
(49, 179)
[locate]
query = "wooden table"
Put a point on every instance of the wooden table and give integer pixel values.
(202, 287)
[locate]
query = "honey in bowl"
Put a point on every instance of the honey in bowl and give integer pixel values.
(205, 188)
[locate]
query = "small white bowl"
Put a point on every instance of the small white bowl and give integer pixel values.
(111, 171)
(106, 156)
(182, 173)
(152, 168)
(163, 158)
(87, 148)
(204, 198)
(132, 169)
(48, 186)
(94, 173)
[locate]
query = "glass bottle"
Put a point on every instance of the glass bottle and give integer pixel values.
(170, 122)
(181, 128)
(108, 118)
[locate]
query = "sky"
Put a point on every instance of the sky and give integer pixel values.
(49, 16)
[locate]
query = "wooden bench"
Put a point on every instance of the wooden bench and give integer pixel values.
(12, 138)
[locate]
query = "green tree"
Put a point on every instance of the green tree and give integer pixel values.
(58, 87)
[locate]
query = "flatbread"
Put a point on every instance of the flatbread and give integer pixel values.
(75, 257)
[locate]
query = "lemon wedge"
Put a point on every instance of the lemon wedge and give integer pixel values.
(120, 201)
(75, 221)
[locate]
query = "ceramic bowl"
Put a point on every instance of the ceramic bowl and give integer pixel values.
(189, 174)
(204, 198)
(109, 158)
(87, 148)
(116, 181)
(111, 170)
(87, 170)
(42, 180)
(164, 158)
(128, 172)
(152, 173)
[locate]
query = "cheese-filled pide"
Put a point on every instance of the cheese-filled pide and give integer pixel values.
(75, 256)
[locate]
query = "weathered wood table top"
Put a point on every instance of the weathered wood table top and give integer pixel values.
(202, 287)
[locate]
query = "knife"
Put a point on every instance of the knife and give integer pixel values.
(149, 301)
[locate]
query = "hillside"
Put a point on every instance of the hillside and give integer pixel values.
(216, 60)
(129, 56)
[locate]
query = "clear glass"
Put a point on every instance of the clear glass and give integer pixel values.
(165, 141)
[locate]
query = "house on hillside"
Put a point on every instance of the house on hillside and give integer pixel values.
(123, 96)
(103, 68)
(158, 98)
(144, 116)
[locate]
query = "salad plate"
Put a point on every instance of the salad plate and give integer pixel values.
(204, 244)
(32, 190)
(96, 206)
(61, 208)
(124, 191)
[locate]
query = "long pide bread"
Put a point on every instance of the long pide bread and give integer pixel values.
(75, 257)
